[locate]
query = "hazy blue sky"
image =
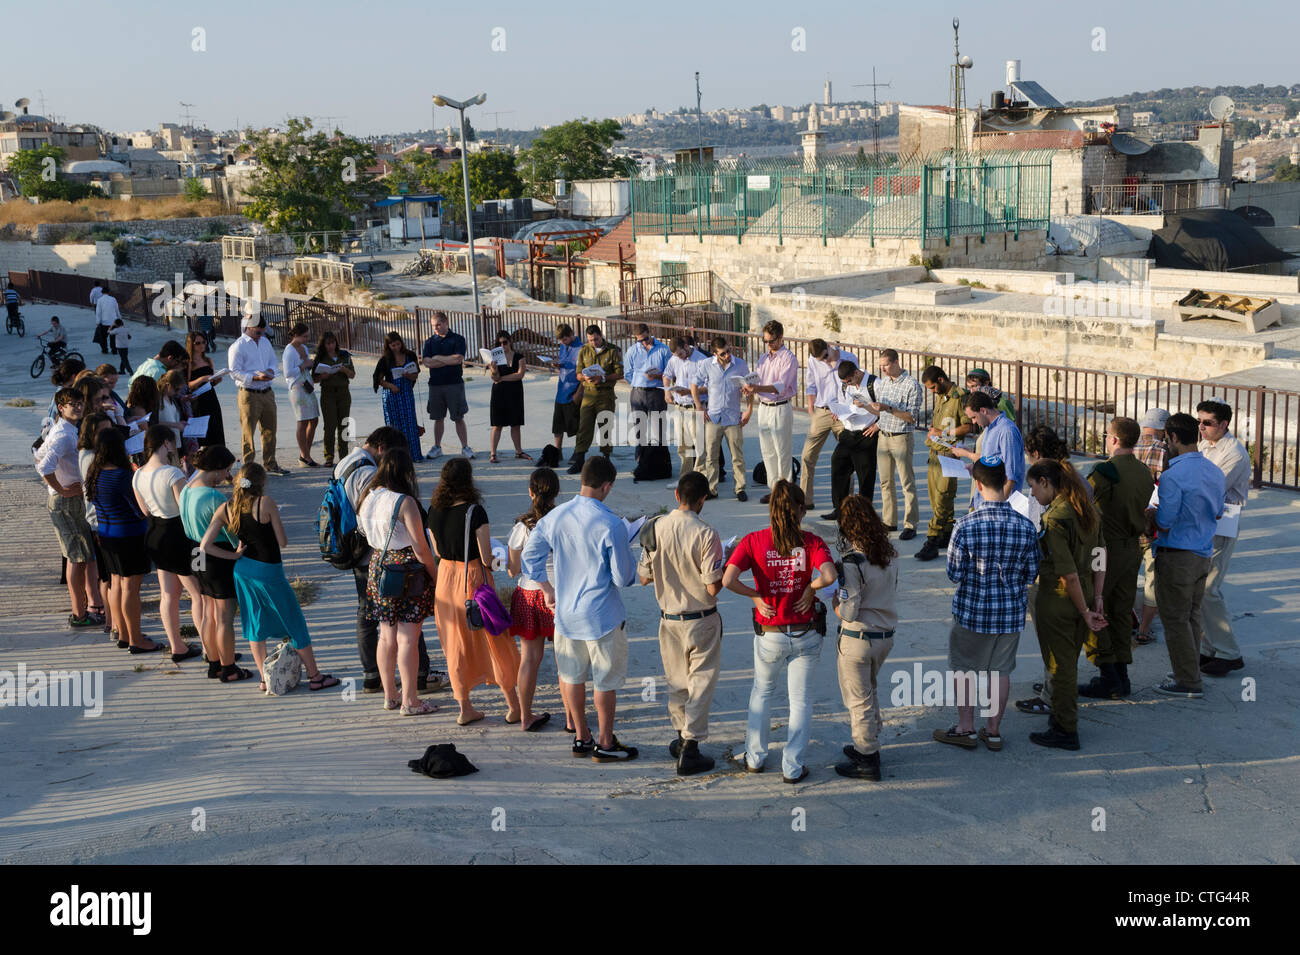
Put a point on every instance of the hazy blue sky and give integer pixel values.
(127, 65)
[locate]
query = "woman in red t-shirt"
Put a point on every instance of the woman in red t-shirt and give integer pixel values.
(789, 565)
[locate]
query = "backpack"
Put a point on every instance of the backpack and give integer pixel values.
(342, 545)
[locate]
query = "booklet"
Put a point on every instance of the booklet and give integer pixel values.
(135, 443)
(139, 424)
(750, 379)
(593, 371)
(485, 356)
(853, 417)
(1230, 522)
(634, 527)
(1020, 504)
(729, 545)
(202, 389)
(217, 376)
(953, 467)
(196, 427)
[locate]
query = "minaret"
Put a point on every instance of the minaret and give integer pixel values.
(827, 95)
(812, 138)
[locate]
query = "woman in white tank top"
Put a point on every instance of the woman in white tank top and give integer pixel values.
(158, 485)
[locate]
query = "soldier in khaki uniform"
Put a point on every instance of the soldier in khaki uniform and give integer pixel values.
(597, 392)
(1122, 489)
(682, 556)
(1071, 570)
(949, 423)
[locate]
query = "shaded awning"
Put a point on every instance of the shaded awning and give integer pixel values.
(394, 200)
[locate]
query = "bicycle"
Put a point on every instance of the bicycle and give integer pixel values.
(14, 323)
(668, 295)
(420, 266)
(55, 355)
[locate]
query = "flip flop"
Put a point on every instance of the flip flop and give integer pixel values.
(510, 722)
(460, 722)
(190, 653)
(538, 723)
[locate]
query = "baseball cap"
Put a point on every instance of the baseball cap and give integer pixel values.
(1154, 418)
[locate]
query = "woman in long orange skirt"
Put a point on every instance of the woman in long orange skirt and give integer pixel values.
(474, 657)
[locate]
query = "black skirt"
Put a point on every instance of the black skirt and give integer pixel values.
(125, 556)
(168, 547)
(506, 408)
(217, 576)
(209, 404)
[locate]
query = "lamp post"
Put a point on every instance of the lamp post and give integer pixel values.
(464, 169)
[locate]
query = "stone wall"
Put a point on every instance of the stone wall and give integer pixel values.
(761, 260)
(191, 228)
(94, 259)
(161, 263)
(1111, 344)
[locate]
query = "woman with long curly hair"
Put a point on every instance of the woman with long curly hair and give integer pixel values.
(866, 606)
(473, 656)
(789, 566)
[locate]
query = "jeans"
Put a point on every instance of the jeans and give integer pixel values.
(774, 652)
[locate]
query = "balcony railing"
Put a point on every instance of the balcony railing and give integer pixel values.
(1155, 198)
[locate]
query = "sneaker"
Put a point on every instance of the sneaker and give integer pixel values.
(908, 534)
(83, 621)
(859, 766)
(276, 469)
(583, 747)
(1174, 688)
(742, 496)
(433, 454)
(1221, 666)
(616, 753)
(742, 762)
(467, 452)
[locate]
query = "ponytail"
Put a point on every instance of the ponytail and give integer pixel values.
(244, 497)
(786, 511)
(1065, 479)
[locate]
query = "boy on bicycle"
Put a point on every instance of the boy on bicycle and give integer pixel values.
(58, 339)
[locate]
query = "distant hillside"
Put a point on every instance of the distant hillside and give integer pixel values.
(1192, 103)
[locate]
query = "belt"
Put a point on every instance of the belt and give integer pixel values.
(867, 634)
(788, 628)
(1174, 550)
(774, 404)
(695, 615)
(246, 388)
(895, 434)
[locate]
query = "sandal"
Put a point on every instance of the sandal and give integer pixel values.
(190, 653)
(493, 460)
(235, 674)
(321, 680)
(523, 456)
(1144, 637)
(419, 710)
(994, 743)
(538, 723)
(1035, 707)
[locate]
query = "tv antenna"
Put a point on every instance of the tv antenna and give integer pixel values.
(496, 116)
(875, 109)
(187, 107)
(958, 89)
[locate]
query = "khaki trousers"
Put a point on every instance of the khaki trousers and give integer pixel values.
(1180, 588)
(775, 435)
(858, 662)
(257, 410)
(820, 424)
(692, 654)
(895, 452)
(686, 434)
(1217, 639)
(735, 435)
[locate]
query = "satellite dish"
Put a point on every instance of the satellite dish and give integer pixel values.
(1221, 107)
(23, 103)
(7, 115)
(965, 62)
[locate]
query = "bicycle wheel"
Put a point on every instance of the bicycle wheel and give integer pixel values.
(676, 298)
(656, 298)
(21, 326)
(75, 355)
(38, 365)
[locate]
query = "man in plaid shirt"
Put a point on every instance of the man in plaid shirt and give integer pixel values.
(899, 401)
(992, 558)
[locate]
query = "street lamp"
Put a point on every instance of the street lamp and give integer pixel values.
(464, 169)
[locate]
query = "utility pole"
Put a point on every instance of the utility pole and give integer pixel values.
(699, 121)
(875, 109)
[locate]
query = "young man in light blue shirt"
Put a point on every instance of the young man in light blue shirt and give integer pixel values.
(564, 420)
(593, 558)
(644, 362)
(720, 377)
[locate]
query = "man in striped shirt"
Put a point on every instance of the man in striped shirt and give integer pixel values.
(900, 397)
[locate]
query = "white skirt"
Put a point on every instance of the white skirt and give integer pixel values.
(305, 406)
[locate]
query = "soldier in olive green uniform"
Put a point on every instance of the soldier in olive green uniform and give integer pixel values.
(597, 393)
(1122, 488)
(1072, 569)
(948, 423)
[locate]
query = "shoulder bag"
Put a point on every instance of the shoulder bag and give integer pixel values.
(405, 580)
(483, 610)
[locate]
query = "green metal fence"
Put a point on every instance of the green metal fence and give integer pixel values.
(863, 197)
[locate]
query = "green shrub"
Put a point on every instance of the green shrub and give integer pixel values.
(832, 321)
(121, 252)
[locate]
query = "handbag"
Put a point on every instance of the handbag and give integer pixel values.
(405, 580)
(483, 610)
(283, 669)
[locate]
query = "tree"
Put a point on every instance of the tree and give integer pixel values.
(1292, 107)
(38, 175)
(308, 181)
(470, 135)
(1284, 171)
(194, 189)
(578, 149)
(492, 175)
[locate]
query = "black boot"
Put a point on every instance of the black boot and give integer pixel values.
(675, 747)
(1055, 737)
(576, 462)
(1102, 686)
(692, 760)
(929, 550)
(858, 766)
(1122, 686)
(945, 537)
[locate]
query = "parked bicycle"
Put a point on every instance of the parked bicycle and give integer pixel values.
(668, 295)
(14, 323)
(421, 265)
(56, 353)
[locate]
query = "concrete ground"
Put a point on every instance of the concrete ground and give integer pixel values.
(182, 769)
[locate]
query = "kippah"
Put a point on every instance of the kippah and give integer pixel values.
(990, 460)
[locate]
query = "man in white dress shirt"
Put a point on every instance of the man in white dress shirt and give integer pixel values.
(253, 367)
(106, 313)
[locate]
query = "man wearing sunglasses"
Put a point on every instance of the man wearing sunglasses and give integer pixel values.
(722, 376)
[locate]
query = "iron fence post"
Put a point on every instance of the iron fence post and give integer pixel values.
(1257, 454)
(1020, 390)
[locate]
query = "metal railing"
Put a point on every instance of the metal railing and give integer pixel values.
(1155, 198)
(1077, 403)
(971, 194)
(676, 291)
(328, 270)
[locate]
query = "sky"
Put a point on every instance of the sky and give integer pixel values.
(373, 67)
